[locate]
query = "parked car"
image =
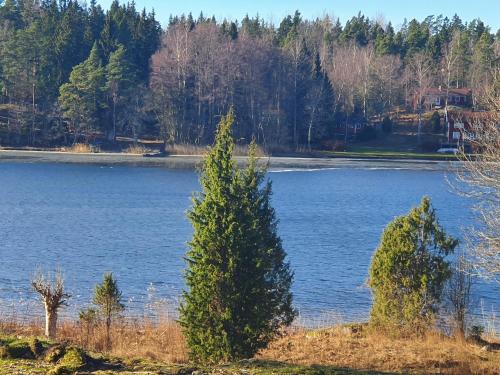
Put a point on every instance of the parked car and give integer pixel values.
(448, 150)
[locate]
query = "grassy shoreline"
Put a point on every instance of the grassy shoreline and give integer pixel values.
(145, 348)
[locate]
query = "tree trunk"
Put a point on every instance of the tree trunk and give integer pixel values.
(50, 322)
(108, 335)
(33, 120)
(114, 121)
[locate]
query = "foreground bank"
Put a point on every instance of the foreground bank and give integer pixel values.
(337, 350)
(192, 161)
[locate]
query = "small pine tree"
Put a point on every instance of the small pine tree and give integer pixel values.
(108, 298)
(409, 270)
(238, 281)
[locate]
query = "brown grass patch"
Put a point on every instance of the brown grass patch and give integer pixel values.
(77, 148)
(339, 347)
(136, 150)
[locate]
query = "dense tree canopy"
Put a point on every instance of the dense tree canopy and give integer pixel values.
(291, 84)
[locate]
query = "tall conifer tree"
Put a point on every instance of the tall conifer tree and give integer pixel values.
(238, 280)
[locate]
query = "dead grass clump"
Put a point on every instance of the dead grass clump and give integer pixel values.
(136, 150)
(78, 148)
(242, 150)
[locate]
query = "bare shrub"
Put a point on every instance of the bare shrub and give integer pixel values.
(482, 177)
(458, 295)
(51, 290)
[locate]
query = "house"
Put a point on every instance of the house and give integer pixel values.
(436, 97)
(461, 130)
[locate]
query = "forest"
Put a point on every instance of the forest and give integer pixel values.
(74, 73)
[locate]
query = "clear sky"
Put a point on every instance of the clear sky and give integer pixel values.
(274, 10)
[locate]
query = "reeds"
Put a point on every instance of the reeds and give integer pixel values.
(78, 148)
(136, 149)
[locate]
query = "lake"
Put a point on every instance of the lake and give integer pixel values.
(89, 220)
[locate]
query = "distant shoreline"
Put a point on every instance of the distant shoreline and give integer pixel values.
(192, 161)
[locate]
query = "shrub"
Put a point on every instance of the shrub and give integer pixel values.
(409, 270)
(238, 296)
(458, 294)
(387, 125)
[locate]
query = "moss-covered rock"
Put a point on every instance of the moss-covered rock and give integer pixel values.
(16, 349)
(55, 353)
(73, 360)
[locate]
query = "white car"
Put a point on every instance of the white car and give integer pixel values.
(448, 150)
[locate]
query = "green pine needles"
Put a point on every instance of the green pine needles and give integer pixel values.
(108, 298)
(238, 279)
(409, 270)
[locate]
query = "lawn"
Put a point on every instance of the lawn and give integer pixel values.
(367, 152)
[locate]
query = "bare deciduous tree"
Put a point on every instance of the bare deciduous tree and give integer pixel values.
(51, 290)
(482, 176)
(458, 293)
(449, 62)
(420, 67)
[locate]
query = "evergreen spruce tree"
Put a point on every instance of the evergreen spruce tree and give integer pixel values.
(108, 298)
(408, 270)
(119, 82)
(238, 280)
(82, 98)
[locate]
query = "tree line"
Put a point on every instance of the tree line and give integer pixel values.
(70, 73)
(64, 67)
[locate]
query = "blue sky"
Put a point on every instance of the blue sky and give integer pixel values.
(274, 10)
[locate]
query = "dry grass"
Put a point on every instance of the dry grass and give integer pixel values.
(131, 338)
(77, 148)
(136, 150)
(185, 149)
(339, 347)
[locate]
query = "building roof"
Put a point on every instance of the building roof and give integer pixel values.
(440, 91)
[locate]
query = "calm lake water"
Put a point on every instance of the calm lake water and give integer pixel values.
(131, 221)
